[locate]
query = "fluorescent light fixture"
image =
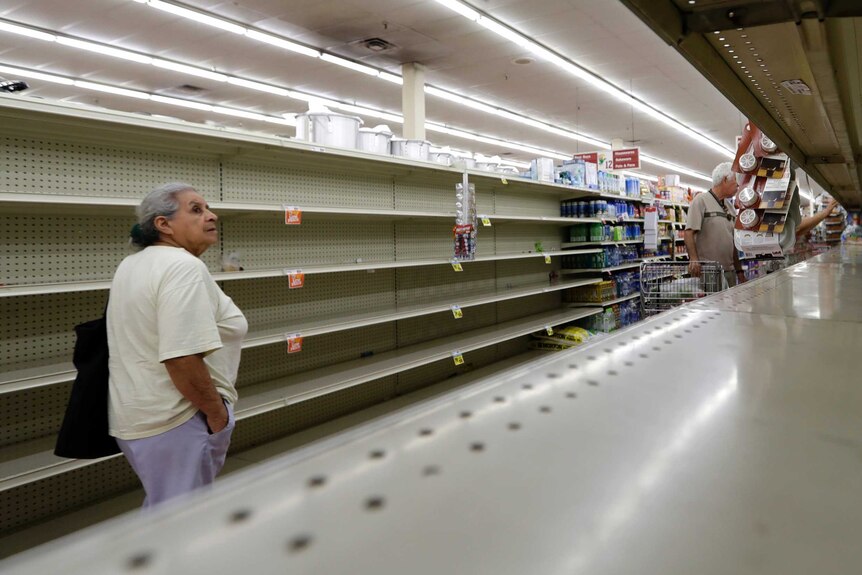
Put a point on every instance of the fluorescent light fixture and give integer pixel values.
(460, 8)
(24, 31)
(582, 73)
(259, 86)
(282, 43)
(112, 90)
(15, 71)
(181, 103)
(503, 31)
(497, 28)
(675, 168)
(103, 49)
(431, 126)
(200, 72)
(391, 78)
(349, 64)
(197, 16)
(240, 113)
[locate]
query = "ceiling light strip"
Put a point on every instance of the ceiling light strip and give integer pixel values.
(578, 71)
(140, 95)
(277, 90)
(456, 98)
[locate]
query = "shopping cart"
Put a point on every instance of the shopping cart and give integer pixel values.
(665, 285)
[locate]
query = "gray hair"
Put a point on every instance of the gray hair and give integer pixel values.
(721, 172)
(160, 202)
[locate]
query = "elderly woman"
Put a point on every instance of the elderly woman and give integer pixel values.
(174, 339)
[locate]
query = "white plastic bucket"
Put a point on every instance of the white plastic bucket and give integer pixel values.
(413, 149)
(375, 142)
(328, 129)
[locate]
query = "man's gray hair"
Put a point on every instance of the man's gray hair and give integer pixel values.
(160, 202)
(721, 172)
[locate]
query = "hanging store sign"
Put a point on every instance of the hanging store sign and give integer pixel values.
(621, 159)
(626, 159)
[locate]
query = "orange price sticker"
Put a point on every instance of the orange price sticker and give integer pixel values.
(292, 216)
(294, 342)
(296, 279)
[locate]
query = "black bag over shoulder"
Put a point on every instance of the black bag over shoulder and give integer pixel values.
(84, 433)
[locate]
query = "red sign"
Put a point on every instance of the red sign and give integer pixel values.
(296, 279)
(292, 216)
(622, 159)
(592, 157)
(294, 343)
(626, 159)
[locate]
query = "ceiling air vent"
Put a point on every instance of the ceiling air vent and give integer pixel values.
(377, 44)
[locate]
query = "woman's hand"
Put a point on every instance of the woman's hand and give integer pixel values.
(219, 421)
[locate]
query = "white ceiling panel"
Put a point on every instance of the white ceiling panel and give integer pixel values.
(459, 55)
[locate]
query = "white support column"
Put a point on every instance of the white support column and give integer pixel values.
(413, 100)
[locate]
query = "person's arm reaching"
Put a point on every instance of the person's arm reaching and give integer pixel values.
(192, 378)
(691, 247)
(809, 223)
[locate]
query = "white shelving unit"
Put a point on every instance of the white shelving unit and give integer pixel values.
(374, 243)
(604, 304)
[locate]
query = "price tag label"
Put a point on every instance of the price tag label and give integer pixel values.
(547, 259)
(294, 342)
(549, 330)
(318, 149)
(292, 216)
(456, 312)
(296, 279)
(456, 265)
(486, 221)
(458, 357)
(504, 181)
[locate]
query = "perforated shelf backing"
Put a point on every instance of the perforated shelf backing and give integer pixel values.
(265, 363)
(270, 303)
(35, 166)
(419, 285)
(57, 249)
(438, 325)
(524, 238)
(419, 377)
(265, 242)
(32, 414)
(37, 330)
(65, 492)
(265, 183)
(514, 203)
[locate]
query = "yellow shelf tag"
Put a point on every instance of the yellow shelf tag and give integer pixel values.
(456, 311)
(458, 358)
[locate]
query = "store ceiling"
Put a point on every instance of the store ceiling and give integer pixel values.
(600, 35)
(749, 48)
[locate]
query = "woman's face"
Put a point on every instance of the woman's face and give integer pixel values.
(193, 226)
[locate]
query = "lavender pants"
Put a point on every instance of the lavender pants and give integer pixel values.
(180, 460)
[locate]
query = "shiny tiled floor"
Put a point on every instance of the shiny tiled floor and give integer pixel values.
(725, 437)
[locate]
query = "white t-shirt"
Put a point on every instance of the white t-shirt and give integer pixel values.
(164, 304)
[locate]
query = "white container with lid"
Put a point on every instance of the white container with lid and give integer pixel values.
(328, 128)
(375, 140)
(441, 156)
(413, 149)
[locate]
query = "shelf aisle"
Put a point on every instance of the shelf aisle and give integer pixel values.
(33, 460)
(619, 418)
